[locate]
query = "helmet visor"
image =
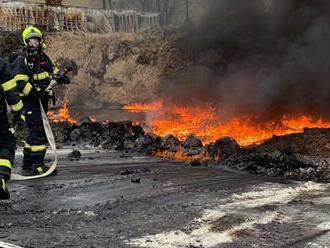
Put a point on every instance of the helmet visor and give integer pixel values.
(33, 42)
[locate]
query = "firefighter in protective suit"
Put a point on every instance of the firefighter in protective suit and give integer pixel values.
(8, 95)
(33, 72)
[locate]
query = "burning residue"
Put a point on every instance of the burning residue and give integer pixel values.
(208, 125)
(179, 155)
(93, 119)
(62, 115)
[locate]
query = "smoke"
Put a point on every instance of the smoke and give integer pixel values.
(262, 58)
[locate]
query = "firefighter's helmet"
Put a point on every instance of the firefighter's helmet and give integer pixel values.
(31, 33)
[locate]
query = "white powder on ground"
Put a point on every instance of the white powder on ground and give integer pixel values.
(8, 245)
(202, 233)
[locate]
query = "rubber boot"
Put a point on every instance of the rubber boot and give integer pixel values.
(4, 193)
(38, 163)
(43, 169)
(27, 162)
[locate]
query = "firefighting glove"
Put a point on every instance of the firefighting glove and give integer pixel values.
(19, 121)
(50, 94)
(38, 92)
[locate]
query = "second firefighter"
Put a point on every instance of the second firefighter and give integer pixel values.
(33, 72)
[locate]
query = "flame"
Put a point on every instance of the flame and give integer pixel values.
(181, 156)
(136, 123)
(105, 122)
(140, 107)
(206, 124)
(92, 119)
(63, 115)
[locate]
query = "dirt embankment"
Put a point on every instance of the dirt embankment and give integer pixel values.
(113, 68)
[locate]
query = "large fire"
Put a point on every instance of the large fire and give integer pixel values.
(205, 123)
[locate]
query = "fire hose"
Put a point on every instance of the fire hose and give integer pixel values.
(48, 131)
(51, 141)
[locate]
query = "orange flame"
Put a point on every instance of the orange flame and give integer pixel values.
(140, 107)
(63, 115)
(181, 156)
(204, 122)
(92, 119)
(105, 122)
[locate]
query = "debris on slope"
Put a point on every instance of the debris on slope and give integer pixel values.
(302, 156)
(312, 141)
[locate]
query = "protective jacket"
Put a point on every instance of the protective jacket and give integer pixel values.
(33, 75)
(32, 72)
(8, 95)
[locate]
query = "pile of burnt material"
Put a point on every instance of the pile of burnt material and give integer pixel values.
(284, 163)
(123, 136)
(303, 156)
(111, 135)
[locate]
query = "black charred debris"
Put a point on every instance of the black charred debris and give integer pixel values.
(304, 156)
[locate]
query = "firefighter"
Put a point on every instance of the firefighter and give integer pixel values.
(8, 95)
(33, 72)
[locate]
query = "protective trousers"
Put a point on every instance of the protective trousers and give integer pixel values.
(7, 147)
(36, 140)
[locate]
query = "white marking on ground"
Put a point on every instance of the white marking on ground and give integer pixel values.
(313, 245)
(264, 195)
(90, 213)
(8, 245)
(324, 226)
(201, 233)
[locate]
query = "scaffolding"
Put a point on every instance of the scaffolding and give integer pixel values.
(148, 21)
(132, 21)
(18, 15)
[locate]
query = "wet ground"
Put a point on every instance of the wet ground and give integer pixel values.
(116, 199)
